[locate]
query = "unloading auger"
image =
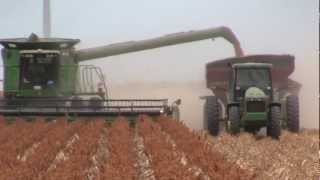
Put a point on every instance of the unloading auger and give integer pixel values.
(42, 76)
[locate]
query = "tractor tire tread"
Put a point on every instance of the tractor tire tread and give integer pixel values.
(234, 118)
(292, 107)
(274, 127)
(212, 115)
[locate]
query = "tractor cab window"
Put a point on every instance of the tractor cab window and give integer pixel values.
(253, 77)
(39, 69)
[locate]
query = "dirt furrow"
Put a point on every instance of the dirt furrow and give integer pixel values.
(121, 160)
(64, 153)
(99, 158)
(166, 161)
(78, 158)
(201, 153)
(145, 171)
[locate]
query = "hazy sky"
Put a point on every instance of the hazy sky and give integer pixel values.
(263, 26)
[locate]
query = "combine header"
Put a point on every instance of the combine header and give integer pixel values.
(42, 76)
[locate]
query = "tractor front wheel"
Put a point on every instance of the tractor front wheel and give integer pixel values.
(211, 115)
(234, 118)
(273, 127)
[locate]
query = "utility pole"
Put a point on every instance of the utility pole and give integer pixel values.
(46, 19)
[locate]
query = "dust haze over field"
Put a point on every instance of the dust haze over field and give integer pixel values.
(192, 107)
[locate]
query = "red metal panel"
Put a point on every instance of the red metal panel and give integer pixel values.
(218, 72)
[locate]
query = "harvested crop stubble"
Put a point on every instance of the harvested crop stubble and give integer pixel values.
(292, 157)
(120, 163)
(165, 160)
(201, 153)
(19, 141)
(38, 162)
(80, 153)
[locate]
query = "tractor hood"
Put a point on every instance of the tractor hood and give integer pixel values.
(254, 93)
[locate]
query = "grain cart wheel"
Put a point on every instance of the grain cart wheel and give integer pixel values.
(292, 107)
(234, 118)
(273, 125)
(211, 114)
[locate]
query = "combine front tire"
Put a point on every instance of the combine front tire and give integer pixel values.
(211, 114)
(273, 127)
(234, 118)
(292, 107)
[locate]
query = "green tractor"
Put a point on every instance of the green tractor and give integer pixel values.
(251, 100)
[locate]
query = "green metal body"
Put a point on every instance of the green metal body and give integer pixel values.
(251, 90)
(254, 118)
(64, 81)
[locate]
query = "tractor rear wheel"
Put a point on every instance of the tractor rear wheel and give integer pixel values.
(211, 115)
(234, 118)
(273, 126)
(292, 107)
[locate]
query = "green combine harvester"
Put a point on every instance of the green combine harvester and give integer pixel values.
(43, 76)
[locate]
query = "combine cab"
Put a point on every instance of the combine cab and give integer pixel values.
(252, 92)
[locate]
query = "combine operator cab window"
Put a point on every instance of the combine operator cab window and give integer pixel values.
(39, 69)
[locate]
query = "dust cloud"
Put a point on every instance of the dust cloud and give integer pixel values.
(192, 106)
(307, 73)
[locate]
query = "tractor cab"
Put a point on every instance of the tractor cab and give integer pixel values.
(251, 81)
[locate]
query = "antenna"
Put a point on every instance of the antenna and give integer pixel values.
(46, 19)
